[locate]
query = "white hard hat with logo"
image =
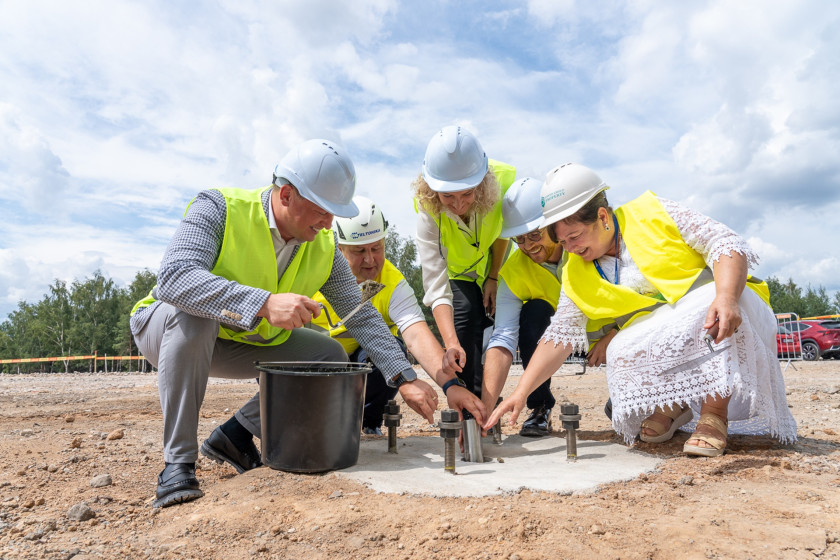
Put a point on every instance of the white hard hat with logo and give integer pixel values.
(323, 174)
(454, 161)
(368, 226)
(521, 208)
(567, 188)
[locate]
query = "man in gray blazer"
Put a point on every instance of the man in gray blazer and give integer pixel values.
(234, 287)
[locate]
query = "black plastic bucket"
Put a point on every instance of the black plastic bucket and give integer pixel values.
(311, 414)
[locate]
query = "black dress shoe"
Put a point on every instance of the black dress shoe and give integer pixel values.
(538, 423)
(221, 449)
(176, 484)
(608, 409)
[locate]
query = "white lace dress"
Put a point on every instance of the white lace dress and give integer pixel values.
(672, 335)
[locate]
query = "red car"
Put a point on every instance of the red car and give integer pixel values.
(819, 338)
(787, 343)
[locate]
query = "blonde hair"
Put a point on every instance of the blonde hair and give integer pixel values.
(487, 193)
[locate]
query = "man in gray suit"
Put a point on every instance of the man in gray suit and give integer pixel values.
(234, 287)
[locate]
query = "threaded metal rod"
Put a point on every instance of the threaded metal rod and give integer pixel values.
(392, 439)
(449, 455)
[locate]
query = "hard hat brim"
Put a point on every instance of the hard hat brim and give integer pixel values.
(569, 211)
(522, 229)
(470, 182)
(349, 210)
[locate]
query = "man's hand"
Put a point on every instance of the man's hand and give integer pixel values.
(459, 398)
(289, 311)
(421, 398)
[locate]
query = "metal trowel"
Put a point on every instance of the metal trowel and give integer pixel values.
(708, 338)
(369, 289)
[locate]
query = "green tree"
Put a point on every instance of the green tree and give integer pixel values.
(139, 288)
(785, 298)
(54, 322)
(402, 252)
(816, 302)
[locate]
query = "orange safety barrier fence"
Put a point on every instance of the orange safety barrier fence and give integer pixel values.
(69, 359)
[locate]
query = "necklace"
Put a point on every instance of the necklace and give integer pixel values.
(617, 237)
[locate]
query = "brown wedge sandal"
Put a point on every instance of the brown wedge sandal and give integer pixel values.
(711, 429)
(664, 432)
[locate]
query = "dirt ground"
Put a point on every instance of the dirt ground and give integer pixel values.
(61, 433)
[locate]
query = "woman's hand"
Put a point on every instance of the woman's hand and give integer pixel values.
(514, 404)
(723, 318)
(598, 354)
(454, 359)
(491, 286)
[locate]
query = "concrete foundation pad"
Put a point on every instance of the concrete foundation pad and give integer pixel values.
(519, 463)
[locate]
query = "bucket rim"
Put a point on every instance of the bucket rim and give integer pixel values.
(314, 368)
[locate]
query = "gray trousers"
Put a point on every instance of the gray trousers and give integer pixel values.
(186, 351)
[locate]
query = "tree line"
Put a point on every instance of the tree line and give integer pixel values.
(91, 316)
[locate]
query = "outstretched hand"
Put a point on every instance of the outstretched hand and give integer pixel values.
(460, 398)
(513, 404)
(454, 360)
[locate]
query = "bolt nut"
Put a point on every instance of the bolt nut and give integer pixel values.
(450, 424)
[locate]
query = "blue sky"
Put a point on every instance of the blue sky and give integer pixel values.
(114, 114)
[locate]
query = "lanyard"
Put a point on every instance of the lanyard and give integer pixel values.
(617, 255)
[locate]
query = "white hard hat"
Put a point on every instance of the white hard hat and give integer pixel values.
(368, 226)
(323, 174)
(567, 188)
(454, 161)
(521, 208)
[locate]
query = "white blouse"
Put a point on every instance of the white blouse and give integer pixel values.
(705, 235)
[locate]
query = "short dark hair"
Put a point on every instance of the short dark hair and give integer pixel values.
(587, 214)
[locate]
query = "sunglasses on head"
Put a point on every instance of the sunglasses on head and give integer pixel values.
(535, 235)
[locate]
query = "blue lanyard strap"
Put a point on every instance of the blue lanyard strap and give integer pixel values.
(598, 265)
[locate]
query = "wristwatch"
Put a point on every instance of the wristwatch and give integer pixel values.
(454, 381)
(404, 377)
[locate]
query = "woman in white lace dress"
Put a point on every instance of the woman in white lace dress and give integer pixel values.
(668, 276)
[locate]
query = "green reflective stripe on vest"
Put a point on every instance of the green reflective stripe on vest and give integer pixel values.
(390, 276)
(528, 280)
(463, 257)
(247, 258)
(654, 241)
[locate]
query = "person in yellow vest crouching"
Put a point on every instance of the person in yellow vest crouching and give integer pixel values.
(457, 197)
(529, 287)
(361, 240)
(235, 286)
(668, 276)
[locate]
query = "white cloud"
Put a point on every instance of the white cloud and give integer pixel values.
(118, 112)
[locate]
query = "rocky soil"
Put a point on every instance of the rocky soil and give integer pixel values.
(79, 455)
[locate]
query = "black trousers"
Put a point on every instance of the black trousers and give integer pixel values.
(470, 322)
(377, 392)
(533, 320)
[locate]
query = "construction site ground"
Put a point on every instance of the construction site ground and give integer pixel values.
(80, 453)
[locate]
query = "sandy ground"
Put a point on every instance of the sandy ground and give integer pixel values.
(60, 433)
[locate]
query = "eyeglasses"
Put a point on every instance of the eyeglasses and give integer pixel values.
(534, 236)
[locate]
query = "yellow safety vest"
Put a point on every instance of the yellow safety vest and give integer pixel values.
(390, 276)
(654, 241)
(528, 280)
(247, 257)
(470, 254)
